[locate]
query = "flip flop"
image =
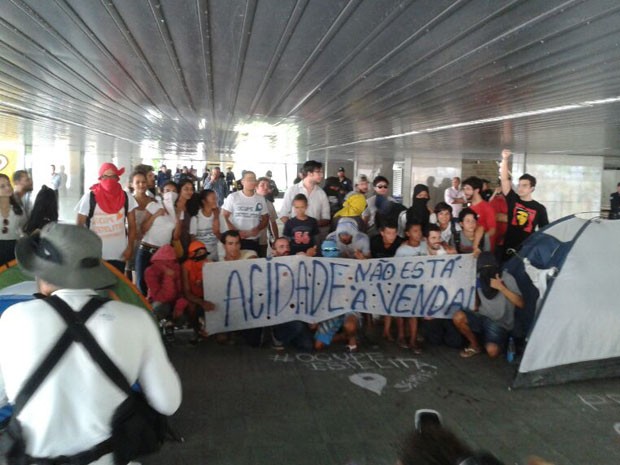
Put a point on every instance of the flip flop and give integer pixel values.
(470, 352)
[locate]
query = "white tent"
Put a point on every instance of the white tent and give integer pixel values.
(576, 334)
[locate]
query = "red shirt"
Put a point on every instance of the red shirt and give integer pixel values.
(500, 206)
(486, 218)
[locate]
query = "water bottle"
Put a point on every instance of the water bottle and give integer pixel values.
(511, 353)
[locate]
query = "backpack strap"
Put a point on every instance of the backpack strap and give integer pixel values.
(52, 358)
(92, 203)
(79, 333)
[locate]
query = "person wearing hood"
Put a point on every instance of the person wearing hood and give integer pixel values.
(419, 210)
(497, 296)
(350, 241)
(353, 207)
(108, 211)
(193, 288)
(163, 280)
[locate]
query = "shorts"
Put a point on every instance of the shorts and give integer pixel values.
(327, 329)
(490, 331)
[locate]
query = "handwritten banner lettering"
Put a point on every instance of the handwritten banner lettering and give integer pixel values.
(265, 292)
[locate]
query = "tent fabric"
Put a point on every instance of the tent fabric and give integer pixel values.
(124, 290)
(575, 335)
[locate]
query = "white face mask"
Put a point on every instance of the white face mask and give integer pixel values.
(170, 196)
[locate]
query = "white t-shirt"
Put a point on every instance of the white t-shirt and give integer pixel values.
(110, 227)
(201, 226)
(160, 232)
(70, 412)
(245, 212)
(406, 250)
(318, 204)
(450, 195)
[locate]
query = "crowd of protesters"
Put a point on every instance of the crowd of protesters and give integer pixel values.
(163, 227)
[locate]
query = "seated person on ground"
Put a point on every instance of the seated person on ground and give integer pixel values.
(434, 242)
(497, 296)
(350, 241)
(163, 281)
(414, 245)
(292, 333)
(466, 237)
(193, 288)
(343, 327)
(384, 245)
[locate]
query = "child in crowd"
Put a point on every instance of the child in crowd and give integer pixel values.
(468, 219)
(301, 229)
(448, 226)
(343, 327)
(163, 280)
(415, 246)
(205, 225)
(193, 286)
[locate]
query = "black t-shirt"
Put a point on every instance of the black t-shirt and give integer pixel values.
(614, 205)
(523, 219)
(378, 250)
(301, 233)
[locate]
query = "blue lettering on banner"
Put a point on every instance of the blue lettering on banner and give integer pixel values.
(261, 292)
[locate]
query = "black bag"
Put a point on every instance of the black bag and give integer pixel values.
(12, 445)
(137, 429)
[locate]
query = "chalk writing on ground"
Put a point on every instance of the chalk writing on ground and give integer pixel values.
(414, 380)
(600, 401)
(355, 361)
(257, 293)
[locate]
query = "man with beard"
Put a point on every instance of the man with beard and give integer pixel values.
(108, 211)
(434, 242)
(497, 296)
(22, 189)
(524, 213)
(472, 187)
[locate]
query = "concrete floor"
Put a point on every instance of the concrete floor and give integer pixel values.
(257, 406)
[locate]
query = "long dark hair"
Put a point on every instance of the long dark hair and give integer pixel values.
(17, 209)
(45, 210)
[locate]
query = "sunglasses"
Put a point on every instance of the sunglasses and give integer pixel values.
(5, 225)
(382, 186)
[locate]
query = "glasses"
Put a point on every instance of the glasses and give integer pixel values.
(111, 176)
(382, 186)
(5, 225)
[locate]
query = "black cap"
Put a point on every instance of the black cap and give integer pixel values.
(341, 169)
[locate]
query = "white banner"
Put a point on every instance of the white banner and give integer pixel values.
(265, 292)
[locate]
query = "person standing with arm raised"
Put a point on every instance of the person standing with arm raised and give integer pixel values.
(524, 213)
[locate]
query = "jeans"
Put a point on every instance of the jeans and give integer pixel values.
(143, 260)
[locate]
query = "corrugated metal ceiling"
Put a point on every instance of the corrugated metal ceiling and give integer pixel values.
(344, 72)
